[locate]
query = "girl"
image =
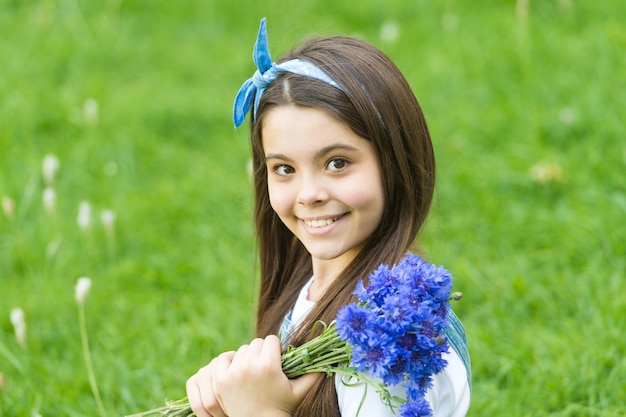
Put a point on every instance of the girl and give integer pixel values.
(344, 174)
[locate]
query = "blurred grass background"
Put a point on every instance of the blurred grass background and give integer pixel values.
(525, 104)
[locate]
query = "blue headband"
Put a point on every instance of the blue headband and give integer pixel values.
(253, 88)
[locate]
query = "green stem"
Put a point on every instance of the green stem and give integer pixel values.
(87, 357)
(380, 387)
(323, 363)
(178, 408)
(300, 357)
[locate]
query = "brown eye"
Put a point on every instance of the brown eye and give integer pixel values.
(284, 170)
(337, 164)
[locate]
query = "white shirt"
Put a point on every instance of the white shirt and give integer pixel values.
(449, 396)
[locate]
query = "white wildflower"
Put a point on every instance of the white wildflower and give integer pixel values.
(50, 200)
(84, 215)
(108, 220)
(389, 32)
(53, 247)
(250, 169)
(521, 9)
(110, 169)
(19, 325)
(90, 111)
(82, 289)
(546, 172)
(449, 22)
(8, 206)
(49, 168)
(565, 5)
(566, 115)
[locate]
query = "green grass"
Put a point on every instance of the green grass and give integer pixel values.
(541, 260)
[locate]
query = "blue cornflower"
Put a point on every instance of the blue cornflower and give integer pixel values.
(417, 408)
(375, 355)
(381, 284)
(396, 314)
(397, 372)
(353, 322)
(407, 341)
(360, 291)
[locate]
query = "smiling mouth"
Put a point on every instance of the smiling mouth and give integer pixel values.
(320, 222)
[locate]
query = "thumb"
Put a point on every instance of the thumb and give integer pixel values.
(303, 384)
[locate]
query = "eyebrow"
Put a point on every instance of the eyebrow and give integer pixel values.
(325, 150)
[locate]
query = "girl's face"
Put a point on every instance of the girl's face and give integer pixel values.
(324, 181)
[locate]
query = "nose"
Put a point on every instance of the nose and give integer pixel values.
(312, 190)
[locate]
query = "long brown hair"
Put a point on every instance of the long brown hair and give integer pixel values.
(377, 103)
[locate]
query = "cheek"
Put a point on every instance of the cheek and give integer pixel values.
(366, 193)
(374, 206)
(279, 199)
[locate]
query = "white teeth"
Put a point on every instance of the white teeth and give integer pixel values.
(319, 223)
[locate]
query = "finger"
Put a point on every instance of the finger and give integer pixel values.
(272, 347)
(194, 397)
(221, 380)
(272, 350)
(221, 365)
(256, 347)
(205, 385)
(248, 359)
(210, 400)
(239, 355)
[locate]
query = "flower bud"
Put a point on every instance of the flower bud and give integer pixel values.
(82, 289)
(456, 296)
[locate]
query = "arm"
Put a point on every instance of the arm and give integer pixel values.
(247, 382)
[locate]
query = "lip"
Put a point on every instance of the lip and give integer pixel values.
(315, 225)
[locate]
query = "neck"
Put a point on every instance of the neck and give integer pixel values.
(324, 274)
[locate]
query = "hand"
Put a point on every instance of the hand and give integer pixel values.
(247, 382)
(200, 392)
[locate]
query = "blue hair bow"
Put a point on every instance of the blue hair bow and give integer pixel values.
(252, 89)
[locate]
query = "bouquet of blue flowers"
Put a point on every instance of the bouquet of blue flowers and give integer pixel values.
(393, 335)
